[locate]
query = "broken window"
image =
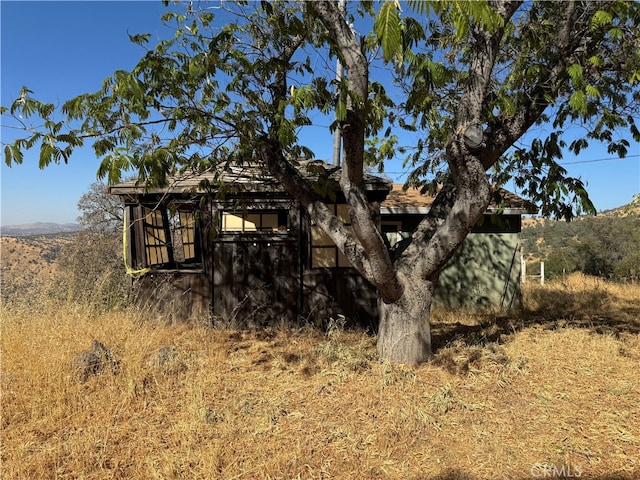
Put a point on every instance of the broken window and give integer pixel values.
(170, 237)
(325, 253)
(183, 235)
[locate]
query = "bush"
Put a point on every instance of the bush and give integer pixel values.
(604, 246)
(92, 271)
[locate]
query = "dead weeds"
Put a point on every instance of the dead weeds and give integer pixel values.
(535, 395)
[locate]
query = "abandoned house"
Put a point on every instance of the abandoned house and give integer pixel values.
(247, 254)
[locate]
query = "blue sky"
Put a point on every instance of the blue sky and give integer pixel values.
(63, 49)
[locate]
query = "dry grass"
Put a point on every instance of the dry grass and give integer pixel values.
(528, 395)
(29, 261)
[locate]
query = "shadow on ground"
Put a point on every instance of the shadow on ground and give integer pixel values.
(600, 312)
(456, 474)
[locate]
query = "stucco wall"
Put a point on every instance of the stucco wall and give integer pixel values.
(484, 272)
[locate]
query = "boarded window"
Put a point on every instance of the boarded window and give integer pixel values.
(251, 221)
(324, 253)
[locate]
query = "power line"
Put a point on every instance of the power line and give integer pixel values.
(599, 160)
(567, 163)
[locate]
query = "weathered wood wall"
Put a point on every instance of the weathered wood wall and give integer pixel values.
(173, 297)
(255, 280)
(329, 293)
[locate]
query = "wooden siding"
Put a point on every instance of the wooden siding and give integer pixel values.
(328, 293)
(174, 297)
(255, 280)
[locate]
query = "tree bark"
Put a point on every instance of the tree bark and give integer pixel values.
(404, 334)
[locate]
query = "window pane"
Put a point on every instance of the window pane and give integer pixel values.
(392, 237)
(231, 223)
(343, 214)
(157, 251)
(324, 253)
(342, 259)
(323, 257)
(252, 222)
(188, 235)
(319, 237)
(269, 222)
(283, 221)
(188, 232)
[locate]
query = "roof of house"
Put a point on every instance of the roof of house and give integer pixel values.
(411, 201)
(249, 178)
(254, 179)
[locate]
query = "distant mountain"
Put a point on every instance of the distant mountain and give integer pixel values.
(39, 228)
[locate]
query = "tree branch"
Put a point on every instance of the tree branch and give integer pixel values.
(378, 261)
(464, 199)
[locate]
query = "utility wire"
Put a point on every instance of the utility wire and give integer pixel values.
(565, 163)
(600, 160)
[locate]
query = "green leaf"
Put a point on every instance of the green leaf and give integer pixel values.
(8, 155)
(140, 39)
(47, 153)
(388, 28)
(579, 144)
(578, 101)
(616, 33)
(592, 91)
(596, 61)
(575, 72)
(601, 18)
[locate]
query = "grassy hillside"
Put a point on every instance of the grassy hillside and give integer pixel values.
(553, 389)
(29, 262)
(605, 245)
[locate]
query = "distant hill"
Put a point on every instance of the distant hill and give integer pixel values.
(632, 208)
(29, 262)
(39, 228)
(605, 245)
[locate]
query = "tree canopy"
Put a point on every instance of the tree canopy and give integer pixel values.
(241, 82)
(99, 211)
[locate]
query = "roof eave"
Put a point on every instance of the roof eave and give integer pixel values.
(425, 210)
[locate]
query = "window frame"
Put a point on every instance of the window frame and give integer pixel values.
(339, 260)
(397, 224)
(281, 220)
(164, 224)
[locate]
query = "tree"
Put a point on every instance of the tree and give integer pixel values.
(604, 246)
(100, 211)
(473, 78)
(92, 265)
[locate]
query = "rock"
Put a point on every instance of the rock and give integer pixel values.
(168, 361)
(94, 362)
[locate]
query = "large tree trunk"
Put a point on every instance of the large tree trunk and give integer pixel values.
(404, 333)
